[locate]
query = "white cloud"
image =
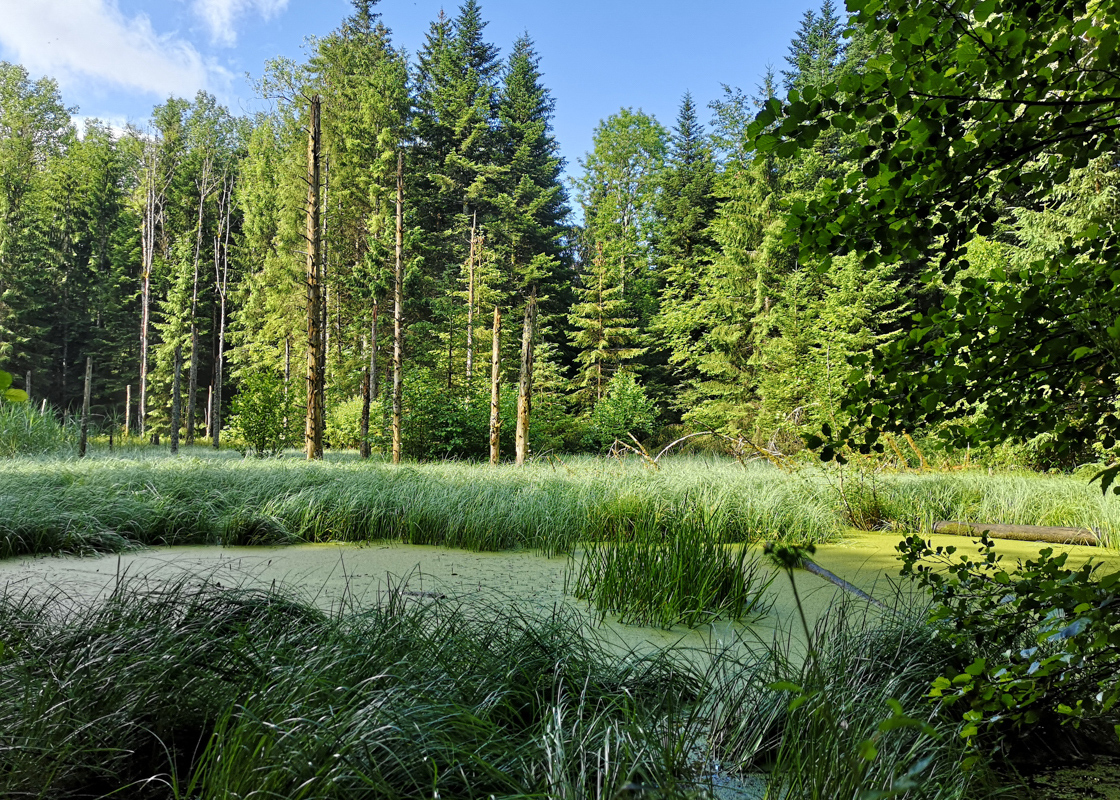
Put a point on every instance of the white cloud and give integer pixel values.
(220, 15)
(91, 39)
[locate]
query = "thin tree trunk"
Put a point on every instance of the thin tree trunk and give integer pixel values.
(176, 399)
(223, 288)
(525, 385)
(364, 428)
(369, 381)
(314, 428)
(127, 409)
(398, 313)
(470, 305)
(83, 436)
(373, 352)
(148, 249)
(192, 378)
(27, 384)
(495, 387)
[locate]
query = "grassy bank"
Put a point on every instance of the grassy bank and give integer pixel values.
(188, 690)
(112, 503)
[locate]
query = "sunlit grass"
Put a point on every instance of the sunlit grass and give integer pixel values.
(139, 496)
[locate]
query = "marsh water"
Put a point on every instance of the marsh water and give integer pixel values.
(341, 576)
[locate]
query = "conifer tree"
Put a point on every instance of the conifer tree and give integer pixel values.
(685, 208)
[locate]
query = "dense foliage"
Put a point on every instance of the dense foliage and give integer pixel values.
(910, 227)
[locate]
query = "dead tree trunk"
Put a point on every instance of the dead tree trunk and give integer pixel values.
(495, 387)
(221, 278)
(147, 259)
(314, 428)
(83, 436)
(398, 313)
(525, 385)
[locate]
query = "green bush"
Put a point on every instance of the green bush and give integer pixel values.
(623, 410)
(263, 418)
(344, 424)
(1033, 645)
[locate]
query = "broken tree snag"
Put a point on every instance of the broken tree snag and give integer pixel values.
(1022, 533)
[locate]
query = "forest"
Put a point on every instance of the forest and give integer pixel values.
(663, 290)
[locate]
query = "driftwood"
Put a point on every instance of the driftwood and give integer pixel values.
(821, 572)
(1023, 533)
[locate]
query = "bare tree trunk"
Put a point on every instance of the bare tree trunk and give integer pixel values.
(495, 387)
(221, 277)
(398, 313)
(470, 305)
(192, 379)
(83, 436)
(314, 429)
(27, 384)
(127, 409)
(176, 399)
(525, 385)
(148, 250)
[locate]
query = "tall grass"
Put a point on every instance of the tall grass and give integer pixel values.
(135, 498)
(189, 691)
(25, 430)
(691, 576)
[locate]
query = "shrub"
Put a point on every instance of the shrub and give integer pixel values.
(1033, 645)
(263, 417)
(344, 424)
(623, 410)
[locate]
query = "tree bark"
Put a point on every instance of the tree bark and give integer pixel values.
(525, 385)
(398, 313)
(127, 409)
(176, 399)
(83, 436)
(495, 387)
(313, 434)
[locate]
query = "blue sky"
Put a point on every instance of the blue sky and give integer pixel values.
(116, 59)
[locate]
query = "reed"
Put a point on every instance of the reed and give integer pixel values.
(188, 690)
(662, 573)
(143, 497)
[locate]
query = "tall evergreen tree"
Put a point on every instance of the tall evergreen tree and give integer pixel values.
(685, 208)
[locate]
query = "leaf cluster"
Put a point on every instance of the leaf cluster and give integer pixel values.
(1037, 644)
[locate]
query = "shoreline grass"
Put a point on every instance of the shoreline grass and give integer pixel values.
(185, 689)
(113, 503)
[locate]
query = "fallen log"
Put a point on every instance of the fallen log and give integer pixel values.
(816, 569)
(1022, 533)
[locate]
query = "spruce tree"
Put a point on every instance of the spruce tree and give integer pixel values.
(685, 208)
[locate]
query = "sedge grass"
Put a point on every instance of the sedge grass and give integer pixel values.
(664, 574)
(139, 497)
(187, 690)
